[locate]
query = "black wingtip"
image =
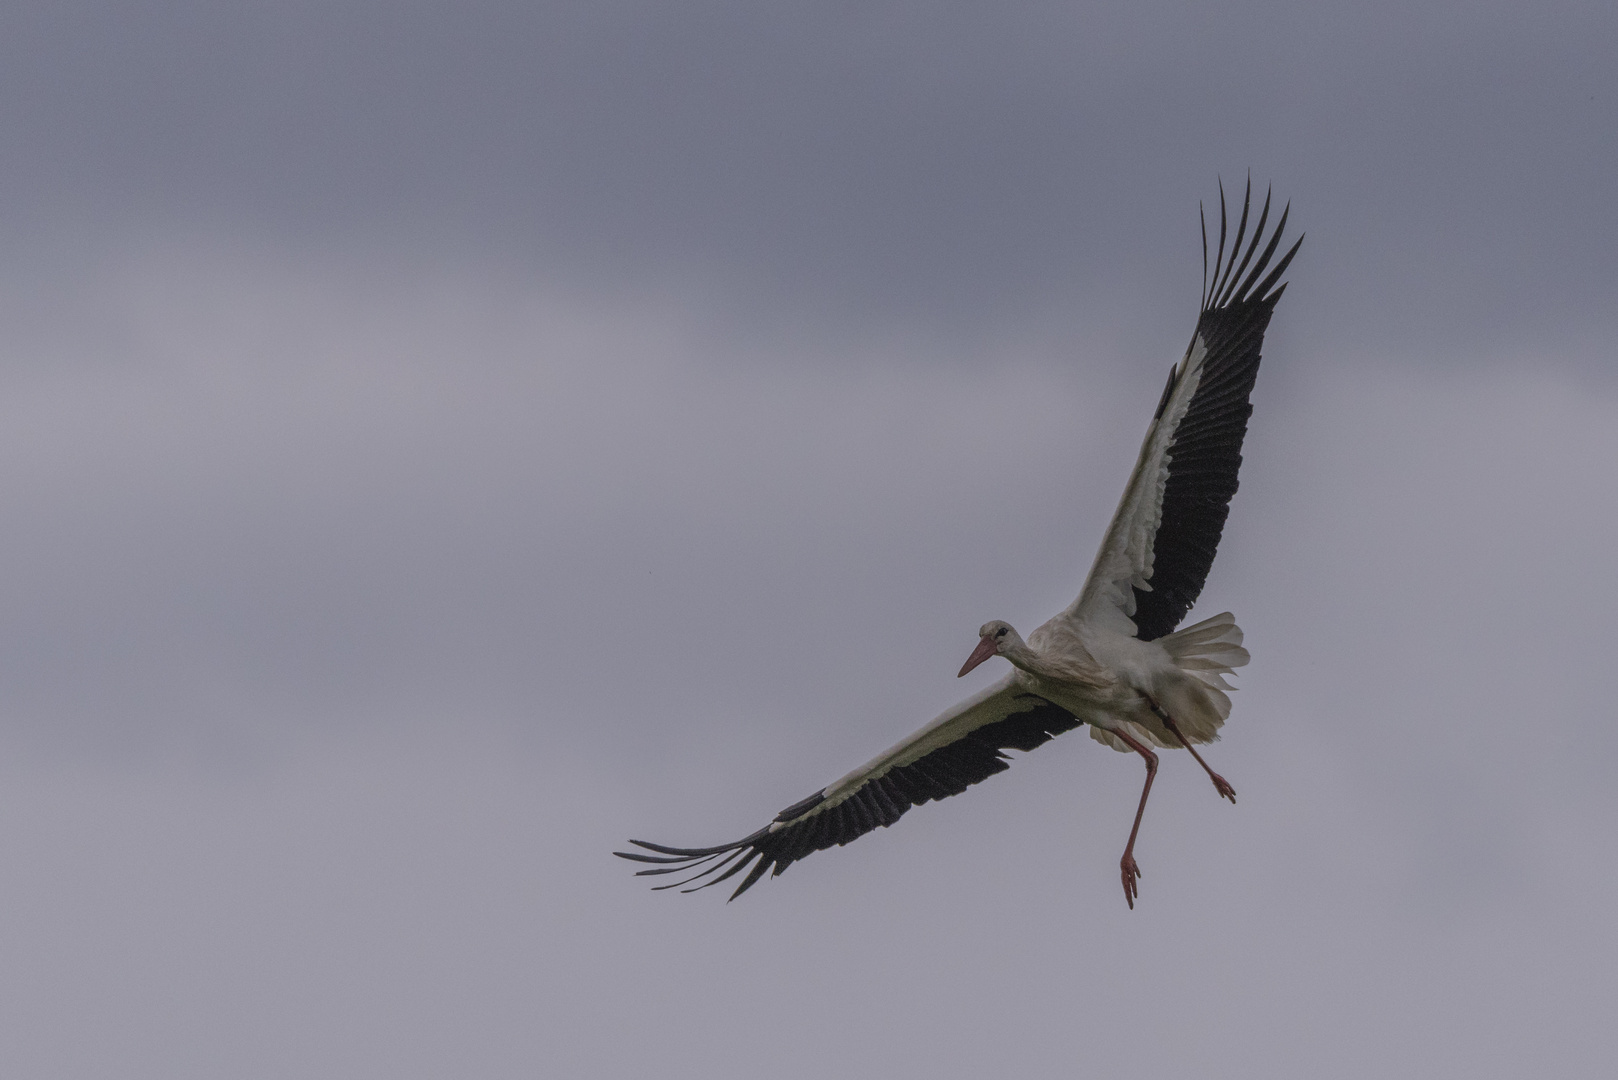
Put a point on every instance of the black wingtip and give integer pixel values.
(637, 857)
(686, 852)
(1258, 235)
(719, 865)
(1227, 286)
(757, 872)
(1241, 232)
(1280, 268)
(746, 857)
(1202, 218)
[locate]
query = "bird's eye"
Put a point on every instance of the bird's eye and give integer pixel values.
(1000, 632)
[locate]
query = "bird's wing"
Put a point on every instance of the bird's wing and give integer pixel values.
(1162, 540)
(963, 746)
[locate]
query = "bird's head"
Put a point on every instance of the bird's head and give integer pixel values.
(994, 638)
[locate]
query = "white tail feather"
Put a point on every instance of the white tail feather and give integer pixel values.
(1206, 651)
(1209, 649)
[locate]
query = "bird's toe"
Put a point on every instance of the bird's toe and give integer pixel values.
(1130, 871)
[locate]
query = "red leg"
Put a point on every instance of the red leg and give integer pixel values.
(1126, 865)
(1219, 782)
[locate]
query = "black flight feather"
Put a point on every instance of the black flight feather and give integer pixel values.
(1206, 453)
(810, 826)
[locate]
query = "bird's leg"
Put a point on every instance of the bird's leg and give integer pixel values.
(1220, 784)
(1126, 865)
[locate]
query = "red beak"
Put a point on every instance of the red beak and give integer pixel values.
(984, 650)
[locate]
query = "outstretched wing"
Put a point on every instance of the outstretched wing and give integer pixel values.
(963, 746)
(1157, 552)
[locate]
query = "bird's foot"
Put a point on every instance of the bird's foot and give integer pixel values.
(1131, 875)
(1222, 786)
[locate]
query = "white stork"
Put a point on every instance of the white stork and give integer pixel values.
(1113, 658)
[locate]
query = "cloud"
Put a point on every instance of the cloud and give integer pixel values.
(357, 608)
(947, 165)
(438, 444)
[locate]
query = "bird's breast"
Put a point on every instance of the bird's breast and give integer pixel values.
(1085, 698)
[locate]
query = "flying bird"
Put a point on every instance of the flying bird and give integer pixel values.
(1113, 658)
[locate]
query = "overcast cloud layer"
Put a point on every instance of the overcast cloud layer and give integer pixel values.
(438, 443)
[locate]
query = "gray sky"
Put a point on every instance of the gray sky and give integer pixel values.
(438, 443)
